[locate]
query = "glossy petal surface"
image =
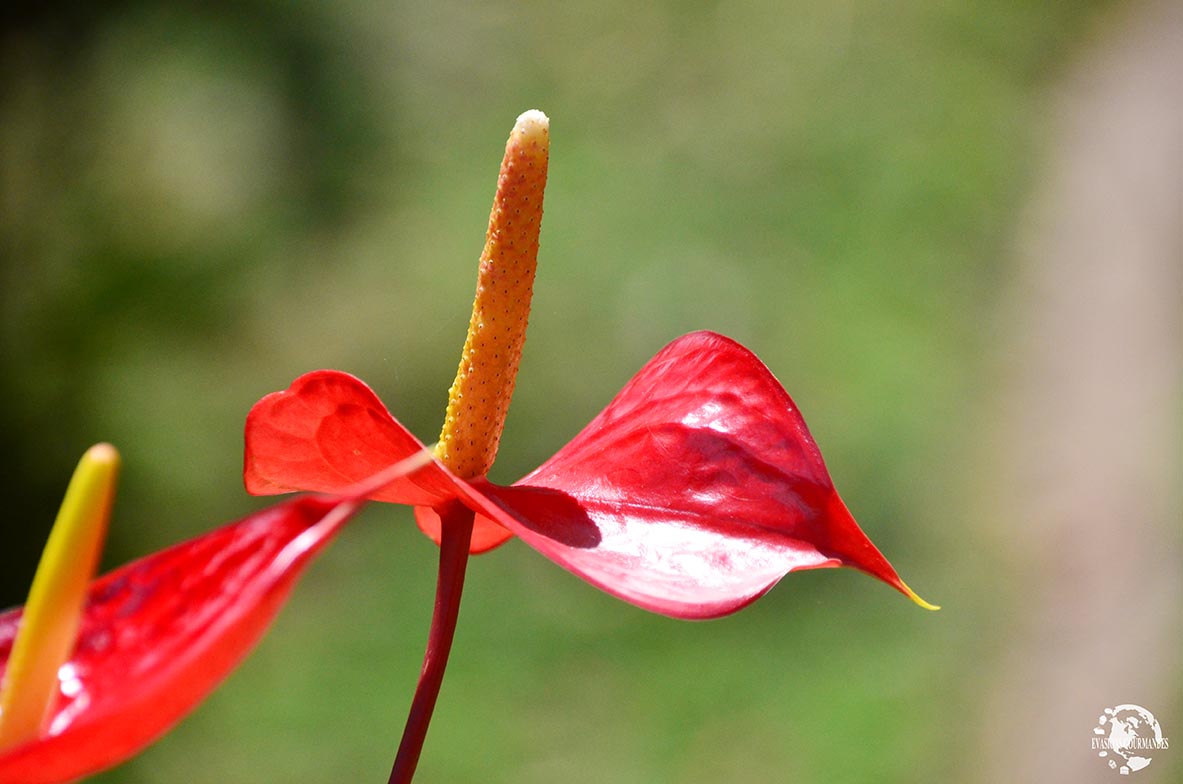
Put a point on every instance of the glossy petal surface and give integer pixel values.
(693, 492)
(326, 432)
(159, 634)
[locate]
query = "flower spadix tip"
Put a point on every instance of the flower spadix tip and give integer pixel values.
(532, 125)
(49, 625)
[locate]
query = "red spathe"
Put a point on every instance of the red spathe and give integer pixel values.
(690, 495)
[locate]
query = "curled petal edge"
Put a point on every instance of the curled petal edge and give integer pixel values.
(327, 431)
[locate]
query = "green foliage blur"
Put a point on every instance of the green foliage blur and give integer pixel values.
(199, 204)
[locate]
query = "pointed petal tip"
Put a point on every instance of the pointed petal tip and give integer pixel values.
(906, 591)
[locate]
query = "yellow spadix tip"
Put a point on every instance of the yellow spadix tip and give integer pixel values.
(49, 625)
(916, 598)
(531, 124)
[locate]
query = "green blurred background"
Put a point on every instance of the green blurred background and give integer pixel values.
(197, 205)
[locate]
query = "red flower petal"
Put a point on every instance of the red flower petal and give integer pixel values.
(692, 493)
(159, 634)
(327, 431)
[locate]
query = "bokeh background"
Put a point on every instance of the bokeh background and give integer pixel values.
(952, 229)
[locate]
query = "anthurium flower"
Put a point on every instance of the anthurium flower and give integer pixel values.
(691, 494)
(90, 673)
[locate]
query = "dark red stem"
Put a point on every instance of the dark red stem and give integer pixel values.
(454, 543)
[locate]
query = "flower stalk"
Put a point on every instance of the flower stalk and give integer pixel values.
(454, 544)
